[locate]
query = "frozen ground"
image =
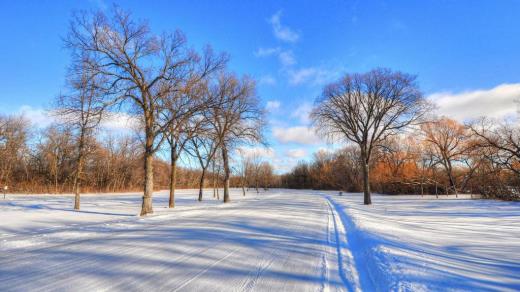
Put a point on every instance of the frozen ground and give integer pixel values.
(280, 240)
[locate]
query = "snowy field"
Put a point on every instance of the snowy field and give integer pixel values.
(282, 240)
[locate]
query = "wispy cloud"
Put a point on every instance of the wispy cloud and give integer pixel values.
(285, 57)
(311, 75)
(497, 102)
(296, 153)
(300, 135)
(282, 32)
(302, 113)
(261, 152)
(266, 52)
(38, 117)
(272, 105)
(267, 80)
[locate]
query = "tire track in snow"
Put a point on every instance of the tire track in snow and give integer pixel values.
(104, 233)
(112, 251)
(346, 264)
(207, 268)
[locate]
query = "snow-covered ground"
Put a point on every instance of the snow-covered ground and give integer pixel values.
(277, 240)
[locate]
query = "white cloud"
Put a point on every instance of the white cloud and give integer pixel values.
(262, 152)
(285, 57)
(310, 75)
(496, 102)
(302, 113)
(296, 153)
(119, 122)
(266, 52)
(282, 32)
(272, 105)
(267, 80)
(301, 135)
(38, 117)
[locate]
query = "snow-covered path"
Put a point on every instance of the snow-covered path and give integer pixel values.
(281, 240)
(270, 241)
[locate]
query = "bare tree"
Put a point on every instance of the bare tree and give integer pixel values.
(13, 135)
(366, 109)
(245, 170)
(203, 147)
(503, 138)
(81, 111)
(184, 108)
(448, 139)
(139, 70)
(236, 119)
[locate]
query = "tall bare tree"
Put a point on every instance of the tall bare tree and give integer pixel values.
(236, 119)
(183, 109)
(366, 109)
(139, 69)
(81, 111)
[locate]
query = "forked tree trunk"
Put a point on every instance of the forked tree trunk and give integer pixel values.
(201, 183)
(148, 182)
(366, 183)
(226, 174)
(173, 177)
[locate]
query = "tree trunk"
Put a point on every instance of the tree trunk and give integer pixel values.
(226, 174)
(201, 183)
(366, 183)
(77, 178)
(79, 170)
(173, 177)
(148, 180)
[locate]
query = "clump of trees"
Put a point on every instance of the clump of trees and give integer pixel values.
(396, 148)
(441, 156)
(185, 102)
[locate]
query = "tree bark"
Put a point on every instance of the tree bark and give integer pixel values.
(366, 183)
(201, 183)
(77, 178)
(227, 174)
(173, 177)
(148, 180)
(79, 170)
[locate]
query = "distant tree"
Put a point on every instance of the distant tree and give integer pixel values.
(237, 118)
(81, 111)
(449, 141)
(245, 170)
(203, 147)
(366, 109)
(14, 132)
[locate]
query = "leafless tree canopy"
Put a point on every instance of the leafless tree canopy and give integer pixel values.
(140, 70)
(368, 108)
(236, 119)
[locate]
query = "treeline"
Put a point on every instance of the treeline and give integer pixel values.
(440, 156)
(34, 160)
(185, 104)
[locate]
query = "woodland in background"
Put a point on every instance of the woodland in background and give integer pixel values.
(43, 161)
(441, 157)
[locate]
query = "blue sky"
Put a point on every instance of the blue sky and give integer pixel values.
(465, 53)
